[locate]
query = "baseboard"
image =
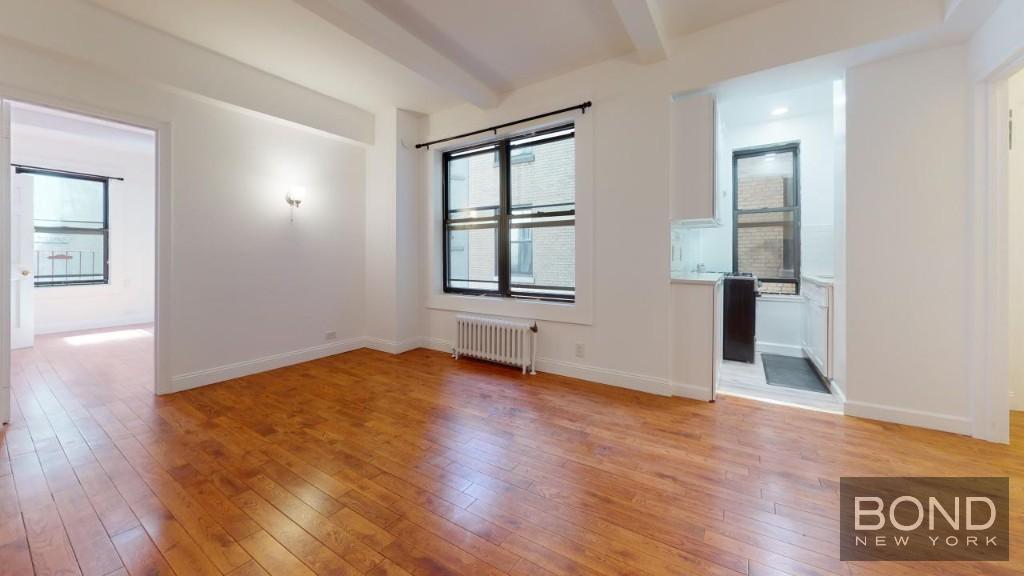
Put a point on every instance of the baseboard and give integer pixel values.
(438, 344)
(780, 349)
(392, 346)
(691, 391)
(245, 368)
(618, 378)
(62, 327)
(944, 422)
(837, 391)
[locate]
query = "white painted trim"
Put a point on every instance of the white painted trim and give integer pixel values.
(837, 391)
(391, 346)
(988, 351)
(794, 350)
(692, 392)
(62, 327)
(944, 422)
(617, 378)
(5, 262)
(256, 365)
(437, 344)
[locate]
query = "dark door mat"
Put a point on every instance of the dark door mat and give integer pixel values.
(790, 372)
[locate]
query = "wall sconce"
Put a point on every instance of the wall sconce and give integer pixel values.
(295, 197)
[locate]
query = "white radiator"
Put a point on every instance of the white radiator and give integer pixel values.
(505, 341)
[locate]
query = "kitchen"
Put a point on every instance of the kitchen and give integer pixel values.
(757, 191)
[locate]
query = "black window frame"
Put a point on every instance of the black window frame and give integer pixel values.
(104, 231)
(505, 218)
(753, 152)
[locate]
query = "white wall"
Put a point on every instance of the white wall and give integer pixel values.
(392, 234)
(625, 340)
(245, 288)
(907, 237)
(129, 297)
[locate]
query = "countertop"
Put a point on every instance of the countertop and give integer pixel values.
(819, 280)
(698, 278)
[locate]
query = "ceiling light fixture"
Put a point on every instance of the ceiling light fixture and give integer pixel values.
(780, 111)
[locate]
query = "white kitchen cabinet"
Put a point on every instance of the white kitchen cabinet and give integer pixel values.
(696, 335)
(819, 323)
(692, 163)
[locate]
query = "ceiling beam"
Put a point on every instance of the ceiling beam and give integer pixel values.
(360, 19)
(643, 25)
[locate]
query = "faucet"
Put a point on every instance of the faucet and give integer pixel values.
(700, 268)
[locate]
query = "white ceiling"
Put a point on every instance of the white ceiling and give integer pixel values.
(284, 39)
(426, 55)
(680, 17)
(812, 99)
(512, 44)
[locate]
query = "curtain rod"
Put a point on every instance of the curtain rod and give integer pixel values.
(39, 169)
(581, 107)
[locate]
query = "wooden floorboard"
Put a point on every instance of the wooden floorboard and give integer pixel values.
(367, 463)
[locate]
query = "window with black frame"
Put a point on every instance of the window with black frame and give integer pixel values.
(510, 217)
(766, 202)
(71, 228)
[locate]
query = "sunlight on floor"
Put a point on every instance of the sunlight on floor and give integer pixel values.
(99, 337)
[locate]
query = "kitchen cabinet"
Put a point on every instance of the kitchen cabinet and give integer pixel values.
(819, 323)
(692, 163)
(696, 335)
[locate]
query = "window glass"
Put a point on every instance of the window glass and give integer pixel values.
(767, 218)
(67, 202)
(71, 234)
(546, 183)
(513, 238)
(69, 257)
(474, 185)
(473, 259)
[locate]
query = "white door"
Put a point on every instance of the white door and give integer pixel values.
(22, 258)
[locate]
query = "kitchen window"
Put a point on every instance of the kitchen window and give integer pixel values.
(766, 210)
(71, 228)
(510, 217)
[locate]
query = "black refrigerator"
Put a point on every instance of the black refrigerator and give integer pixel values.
(740, 317)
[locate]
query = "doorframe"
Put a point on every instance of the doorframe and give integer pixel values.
(162, 218)
(988, 326)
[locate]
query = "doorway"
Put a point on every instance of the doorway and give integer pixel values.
(82, 255)
(781, 171)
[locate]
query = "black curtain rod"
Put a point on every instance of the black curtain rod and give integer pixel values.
(39, 170)
(581, 107)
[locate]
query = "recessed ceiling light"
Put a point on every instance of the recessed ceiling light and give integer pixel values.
(780, 111)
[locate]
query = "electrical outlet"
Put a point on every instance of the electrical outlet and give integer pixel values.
(580, 350)
(331, 336)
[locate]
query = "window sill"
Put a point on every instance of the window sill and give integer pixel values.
(571, 313)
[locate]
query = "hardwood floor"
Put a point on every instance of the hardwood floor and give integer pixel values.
(366, 463)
